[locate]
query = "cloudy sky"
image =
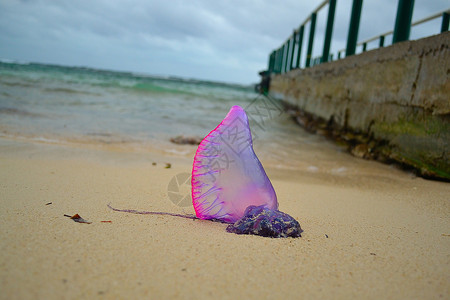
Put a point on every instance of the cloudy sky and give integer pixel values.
(221, 40)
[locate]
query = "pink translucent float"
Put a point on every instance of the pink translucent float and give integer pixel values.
(227, 177)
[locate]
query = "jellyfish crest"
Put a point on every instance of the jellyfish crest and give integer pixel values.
(227, 177)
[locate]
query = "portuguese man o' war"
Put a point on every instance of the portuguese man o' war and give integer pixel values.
(229, 183)
(227, 177)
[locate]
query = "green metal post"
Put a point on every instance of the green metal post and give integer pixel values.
(275, 66)
(269, 65)
(445, 21)
(277, 59)
(328, 31)
(353, 28)
(286, 66)
(281, 58)
(339, 54)
(288, 55)
(294, 40)
(381, 45)
(364, 47)
(271, 61)
(274, 60)
(285, 57)
(311, 39)
(300, 45)
(403, 21)
(280, 65)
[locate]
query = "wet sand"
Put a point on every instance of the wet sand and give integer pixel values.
(383, 234)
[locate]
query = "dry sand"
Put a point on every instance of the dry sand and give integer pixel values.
(381, 235)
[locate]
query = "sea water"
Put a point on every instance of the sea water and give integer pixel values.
(138, 112)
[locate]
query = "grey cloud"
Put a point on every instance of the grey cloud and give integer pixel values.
(217, 40)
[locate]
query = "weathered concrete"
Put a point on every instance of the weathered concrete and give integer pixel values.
(399, 94)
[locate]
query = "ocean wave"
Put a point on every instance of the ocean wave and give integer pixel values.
(70, 91)
(19, 112)
(11, 61)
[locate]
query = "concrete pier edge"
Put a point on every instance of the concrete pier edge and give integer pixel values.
(389, 104)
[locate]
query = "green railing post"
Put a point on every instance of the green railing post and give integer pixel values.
(364, 47)
(294, 40)
(288, 58)
(300, 44)
(280, 59)
(311, 39)
(274, 57)
(403, 21)
(381, 44)
(328, 31)
(271, 61)
(269, 66)
(286, 66)
(445, 21)
(275, 61)
(353, 28)
(275, 67)
(280, 65)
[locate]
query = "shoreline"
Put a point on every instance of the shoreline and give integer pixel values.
(381, 235)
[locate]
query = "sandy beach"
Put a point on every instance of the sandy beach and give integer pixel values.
(380, 235)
